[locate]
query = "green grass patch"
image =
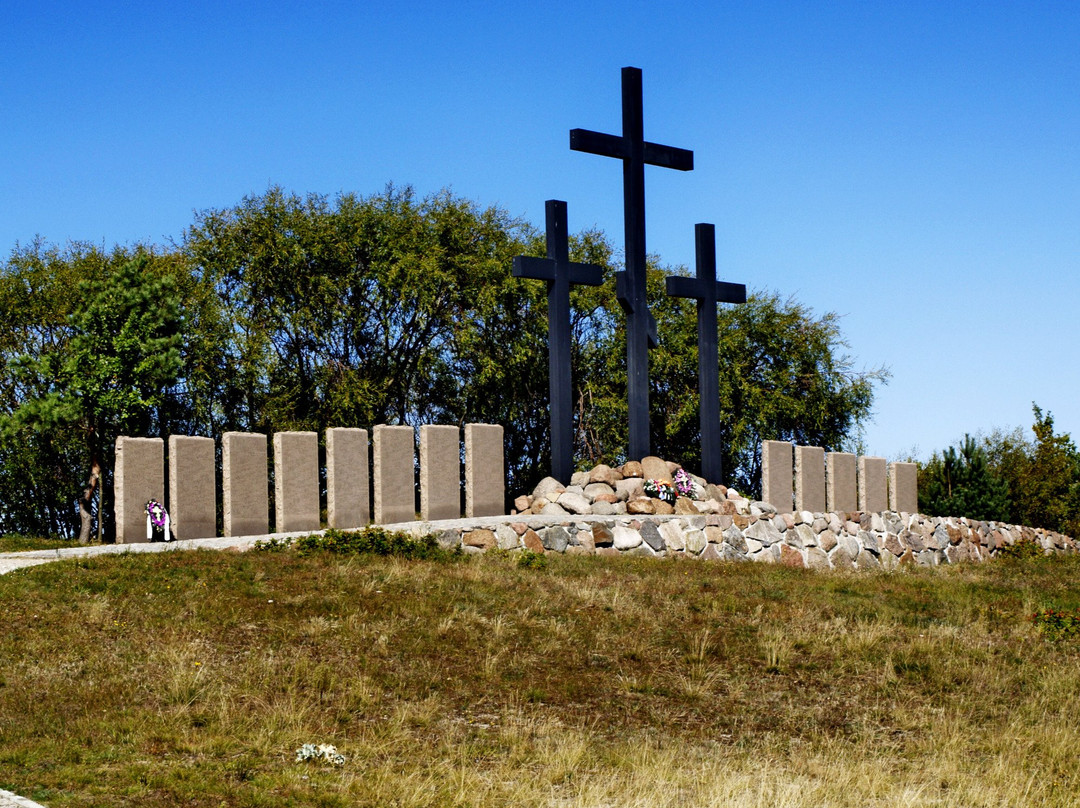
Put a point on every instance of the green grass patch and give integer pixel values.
(15, 543)
(195, 677)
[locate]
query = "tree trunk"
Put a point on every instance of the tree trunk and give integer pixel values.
(86, 503)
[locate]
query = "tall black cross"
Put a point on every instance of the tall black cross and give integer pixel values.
(635, 152)
(559, 272)
(708, 292)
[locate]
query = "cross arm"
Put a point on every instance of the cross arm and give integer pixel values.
(730, 292)
(541, 269)
(586, 140)
(669, 157)
(681, 286)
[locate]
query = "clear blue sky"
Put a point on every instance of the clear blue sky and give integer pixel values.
(914, 167)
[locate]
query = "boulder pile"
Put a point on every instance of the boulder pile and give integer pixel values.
(607, 491)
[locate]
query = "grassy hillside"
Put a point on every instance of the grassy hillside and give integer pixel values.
(193, 678)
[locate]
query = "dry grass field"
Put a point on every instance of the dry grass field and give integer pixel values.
(192, 679)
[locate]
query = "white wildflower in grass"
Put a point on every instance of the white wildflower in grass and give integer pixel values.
(324, 752)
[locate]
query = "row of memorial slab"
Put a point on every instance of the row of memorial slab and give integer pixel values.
(354, 496)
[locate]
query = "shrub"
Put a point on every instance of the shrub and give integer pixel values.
(374, 541)
(1023, 550)
(1057, 625)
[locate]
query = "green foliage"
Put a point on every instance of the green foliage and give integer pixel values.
(963, 484)
(1023, 550)
(1057, 625)
(531, 560)
(1047, 486)
(375, 541)
(105, 367)
(309, 312)
(1007, 477)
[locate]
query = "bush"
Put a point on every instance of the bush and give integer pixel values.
(1023, 550)
(1057, 625)
(374, 541)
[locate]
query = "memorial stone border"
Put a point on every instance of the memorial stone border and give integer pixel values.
(876, 487)
(348, 491)
(139, 477)
(296, 481)
(192, 487)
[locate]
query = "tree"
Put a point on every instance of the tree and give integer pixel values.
(1047, 485)
(122, 356)
(963, 484)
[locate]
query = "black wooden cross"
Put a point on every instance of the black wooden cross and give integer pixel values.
(635, 152)
(708, 292)
(559, 272)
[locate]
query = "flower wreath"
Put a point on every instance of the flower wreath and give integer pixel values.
(159, 518)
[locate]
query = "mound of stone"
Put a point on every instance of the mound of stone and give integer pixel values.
(632, 488)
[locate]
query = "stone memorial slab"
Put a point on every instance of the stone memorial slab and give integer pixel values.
(873, 485)
(841, 482)
(192, 487)
(485, 471)
(776, 482)
(810, 479)
(348, 490)
(395, 474)
(139, 476)
(296, 481)
(440, 472)
(245, 495)
(904, 487)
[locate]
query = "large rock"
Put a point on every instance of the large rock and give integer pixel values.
(532, 541)
(631, 468)
(653, 468)
(601, 508)
(548, 485)
(662, 508)
(483, 539)
(764, 531)
(650, 534)
(595, 490)
(790, 557)
(685, 506)
(574, 503)
(841, 559)
(602, 535)
(817, 559)
(625, 538)
(643, 505)
(672, 535)
(507, 537)
(604, 474)
(555, 538)
(630, 488)
(553, 509)
(806, 536)
(695, 541)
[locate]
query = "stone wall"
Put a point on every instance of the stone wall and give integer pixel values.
(829, 540)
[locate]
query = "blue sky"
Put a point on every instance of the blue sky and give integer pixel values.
(913, 167)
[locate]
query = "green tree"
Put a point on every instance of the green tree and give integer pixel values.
(963, 484)
(121, 358)
(1047, 485)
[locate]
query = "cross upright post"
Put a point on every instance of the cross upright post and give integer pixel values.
(559, 272)
(635, 152)
(708, 292)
